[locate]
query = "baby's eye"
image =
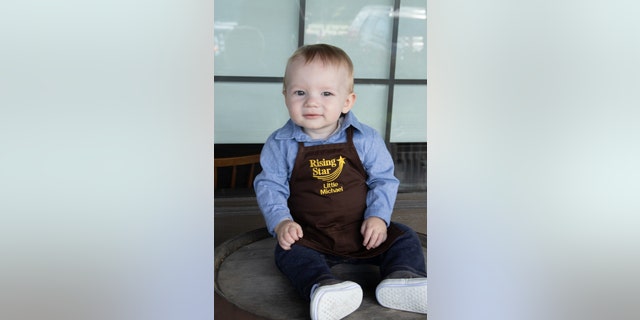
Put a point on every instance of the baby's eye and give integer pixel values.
(327, 93)
(298, 93)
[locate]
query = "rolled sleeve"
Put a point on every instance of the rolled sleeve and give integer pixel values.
(383, 185)
(272, 186)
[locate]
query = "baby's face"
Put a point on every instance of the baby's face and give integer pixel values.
(316, 95)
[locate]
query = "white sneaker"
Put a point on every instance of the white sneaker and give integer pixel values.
(403, 294)
(336, 301)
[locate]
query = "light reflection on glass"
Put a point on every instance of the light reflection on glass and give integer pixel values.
(254, 37)
(364, 30)
(411, 59)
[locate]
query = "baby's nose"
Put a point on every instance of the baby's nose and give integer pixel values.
(311, 102)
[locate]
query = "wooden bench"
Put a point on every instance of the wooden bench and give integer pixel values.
(251, 161)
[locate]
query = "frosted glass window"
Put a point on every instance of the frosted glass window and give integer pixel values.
(239, 119)
(362, 28)
(247, 112)
(254, 37)
(409, 118)
(411, 58)
(371, 106)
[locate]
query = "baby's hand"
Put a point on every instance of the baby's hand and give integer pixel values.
(288, 233)
(374, 231)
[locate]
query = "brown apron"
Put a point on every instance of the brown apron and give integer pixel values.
(328, 193)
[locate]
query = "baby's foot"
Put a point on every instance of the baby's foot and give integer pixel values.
(335, 301)
(403, 291)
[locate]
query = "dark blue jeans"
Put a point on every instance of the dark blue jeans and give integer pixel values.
(305, 267)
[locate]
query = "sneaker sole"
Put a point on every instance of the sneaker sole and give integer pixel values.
(333, 302)
(403, 294)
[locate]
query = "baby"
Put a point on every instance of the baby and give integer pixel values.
(327, 192)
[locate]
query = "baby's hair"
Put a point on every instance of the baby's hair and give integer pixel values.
(328, 54)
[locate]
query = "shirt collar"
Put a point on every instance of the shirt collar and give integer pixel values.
(292, 131)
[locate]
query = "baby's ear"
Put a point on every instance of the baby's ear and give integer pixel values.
(348, 104)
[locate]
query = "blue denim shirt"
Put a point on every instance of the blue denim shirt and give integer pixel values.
(279, 154)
